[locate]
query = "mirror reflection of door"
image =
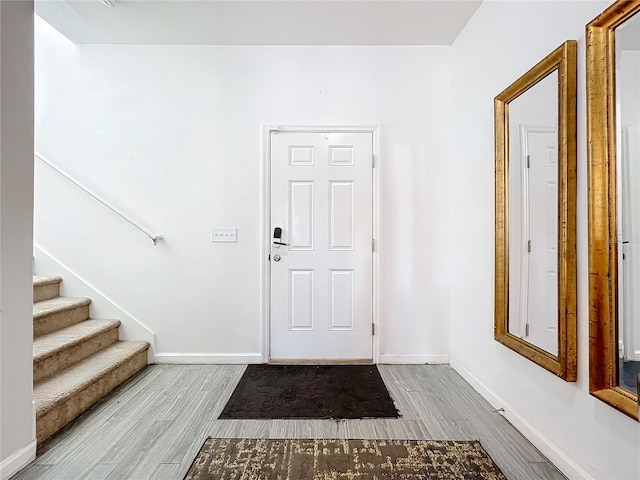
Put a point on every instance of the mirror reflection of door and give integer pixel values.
(533, 215)
(541, 315)
(628, 171)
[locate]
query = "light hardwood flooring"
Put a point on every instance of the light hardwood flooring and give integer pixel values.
(152, 427)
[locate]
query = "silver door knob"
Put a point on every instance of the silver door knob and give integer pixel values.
(276, 258)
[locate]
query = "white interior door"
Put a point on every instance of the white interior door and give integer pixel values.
(321, 278)
(542, 304)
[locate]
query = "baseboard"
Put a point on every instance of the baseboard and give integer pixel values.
(487, 394)
(240, 358)
(207, 358)
(401, 359)
(18, 460)
(549, 449)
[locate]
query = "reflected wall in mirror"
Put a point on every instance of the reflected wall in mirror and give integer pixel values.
(535, 302)
(613, 117)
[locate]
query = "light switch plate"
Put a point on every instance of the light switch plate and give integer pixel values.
(224, 234)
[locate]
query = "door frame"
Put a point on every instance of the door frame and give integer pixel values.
(265, 225)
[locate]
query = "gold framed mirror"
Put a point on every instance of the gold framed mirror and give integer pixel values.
(613, 133)
(535, 236)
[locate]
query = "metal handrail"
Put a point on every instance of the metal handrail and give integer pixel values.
(154, 237)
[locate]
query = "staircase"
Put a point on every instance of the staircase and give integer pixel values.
(76, 360)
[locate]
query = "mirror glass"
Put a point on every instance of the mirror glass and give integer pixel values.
(627, 94)
(533, 215)
(535, 247)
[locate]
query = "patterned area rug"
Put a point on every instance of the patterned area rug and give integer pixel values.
(310, 391)
(275, 459)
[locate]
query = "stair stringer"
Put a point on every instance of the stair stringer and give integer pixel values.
(131, 328)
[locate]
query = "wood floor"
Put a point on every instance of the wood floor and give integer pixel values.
(152, 427)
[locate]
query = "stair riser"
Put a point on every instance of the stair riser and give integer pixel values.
(72, 355)
(53, 420)
(57, 320)
(45, 292)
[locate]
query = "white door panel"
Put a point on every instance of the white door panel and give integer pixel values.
(542, 305)
(321, 285)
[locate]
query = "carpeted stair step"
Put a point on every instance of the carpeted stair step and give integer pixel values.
(65, 395)
(60, 312)
(45, 287)
(58, 350)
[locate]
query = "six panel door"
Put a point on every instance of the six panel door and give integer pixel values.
(321, 259)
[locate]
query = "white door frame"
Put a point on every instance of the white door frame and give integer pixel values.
(265, 241)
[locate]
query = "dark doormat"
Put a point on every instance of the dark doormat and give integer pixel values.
(263, 459)
(310, 391)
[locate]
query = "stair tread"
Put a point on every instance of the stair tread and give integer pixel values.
(54, 342)
(53, 390)
(39, 280)
(58, 304)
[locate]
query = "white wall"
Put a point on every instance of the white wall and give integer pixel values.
(172, 136)
(17, 429)
(581, 434)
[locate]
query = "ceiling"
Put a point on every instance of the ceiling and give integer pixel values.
(259, 22)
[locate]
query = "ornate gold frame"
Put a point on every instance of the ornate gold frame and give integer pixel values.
(602, 194)
(564, 365)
